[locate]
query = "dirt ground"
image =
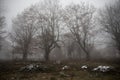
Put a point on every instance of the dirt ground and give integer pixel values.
(10, 71)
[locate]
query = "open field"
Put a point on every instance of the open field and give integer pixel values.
(11, 71)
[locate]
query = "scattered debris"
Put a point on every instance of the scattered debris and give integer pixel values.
(28, 68)
(84, 67)
(102, 68)
(33, 67)
(65, 67)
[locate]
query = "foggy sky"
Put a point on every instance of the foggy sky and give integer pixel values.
(10, 8)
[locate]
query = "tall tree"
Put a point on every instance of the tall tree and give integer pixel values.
(49, 26)
(23, 32)
(79, 19)
(110, 19)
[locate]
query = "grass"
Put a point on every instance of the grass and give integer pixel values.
(10, 71)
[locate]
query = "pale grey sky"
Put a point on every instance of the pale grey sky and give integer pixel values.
(11, 8)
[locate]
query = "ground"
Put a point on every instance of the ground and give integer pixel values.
(10, 71)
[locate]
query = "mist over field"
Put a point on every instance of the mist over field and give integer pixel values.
(59, 39)
(10, 9)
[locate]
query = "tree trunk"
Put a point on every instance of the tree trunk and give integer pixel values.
(47, 52)
(25, 56)
(87, 56)
(69, 55)
(85, 51)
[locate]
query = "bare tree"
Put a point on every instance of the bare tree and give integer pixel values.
(23, 32)
(79, 19)
(70, 49)
(110, 19)
(69, 44)
(49, 26)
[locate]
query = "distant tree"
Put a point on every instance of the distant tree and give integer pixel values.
(23, 32)
(49, 26)
(79, 18)
(70, 49)
(69, 44)
(110, 20)
(2, 23)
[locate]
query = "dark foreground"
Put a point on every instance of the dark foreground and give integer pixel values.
(11, 71)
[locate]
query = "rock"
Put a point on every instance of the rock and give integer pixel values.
(33, 67)
(102, 68)
(30, 67)
(65, 67)
(84, 67)
(95, 69)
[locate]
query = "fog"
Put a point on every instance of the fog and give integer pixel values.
(59, 39)
(11, 8)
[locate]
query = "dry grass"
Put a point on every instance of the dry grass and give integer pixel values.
(10, 71)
